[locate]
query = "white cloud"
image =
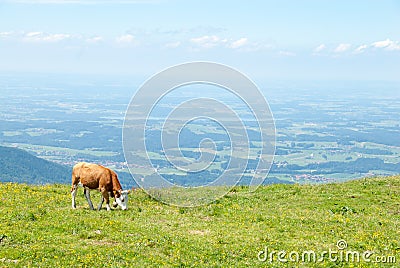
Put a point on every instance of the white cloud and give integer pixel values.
(44, 37)
(319, 48)
(125, 39)
(33, 34)
(173, 44)
(382, 44)
(387, 44)
(360, 49)
(5, 34)
(94, 39)
(56, 37)
(342, 48)
(287, 53)
(208, 41)
(239, 43)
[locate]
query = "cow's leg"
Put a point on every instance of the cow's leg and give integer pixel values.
(87, 195)
(101, 203)
(114, 204)
(105, 195)
(74, 189)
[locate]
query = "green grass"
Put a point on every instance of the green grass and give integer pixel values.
(40, 229)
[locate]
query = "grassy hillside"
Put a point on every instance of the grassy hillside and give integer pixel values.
(38, 227)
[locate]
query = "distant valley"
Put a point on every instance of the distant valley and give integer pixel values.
(324, 132)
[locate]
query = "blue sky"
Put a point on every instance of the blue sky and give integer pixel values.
(311, 40)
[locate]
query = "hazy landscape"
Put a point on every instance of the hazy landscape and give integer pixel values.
(214, 181)
(325, 131)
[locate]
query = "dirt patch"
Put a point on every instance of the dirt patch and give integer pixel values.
(8, 260)
(199, 232)
(102, 243)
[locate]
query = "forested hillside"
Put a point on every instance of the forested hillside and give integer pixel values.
(19, 166)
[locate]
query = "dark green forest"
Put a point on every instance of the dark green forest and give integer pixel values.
(17, 165)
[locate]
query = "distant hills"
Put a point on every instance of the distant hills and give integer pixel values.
(17, 165)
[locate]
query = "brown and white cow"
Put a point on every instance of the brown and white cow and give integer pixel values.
(96, 177)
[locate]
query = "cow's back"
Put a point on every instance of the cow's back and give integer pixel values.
(92, 176)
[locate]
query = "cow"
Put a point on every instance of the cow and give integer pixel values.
(93, 176)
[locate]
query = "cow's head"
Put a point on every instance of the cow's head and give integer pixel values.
(121, 199)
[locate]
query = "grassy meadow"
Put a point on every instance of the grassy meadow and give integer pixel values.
(38, 228)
